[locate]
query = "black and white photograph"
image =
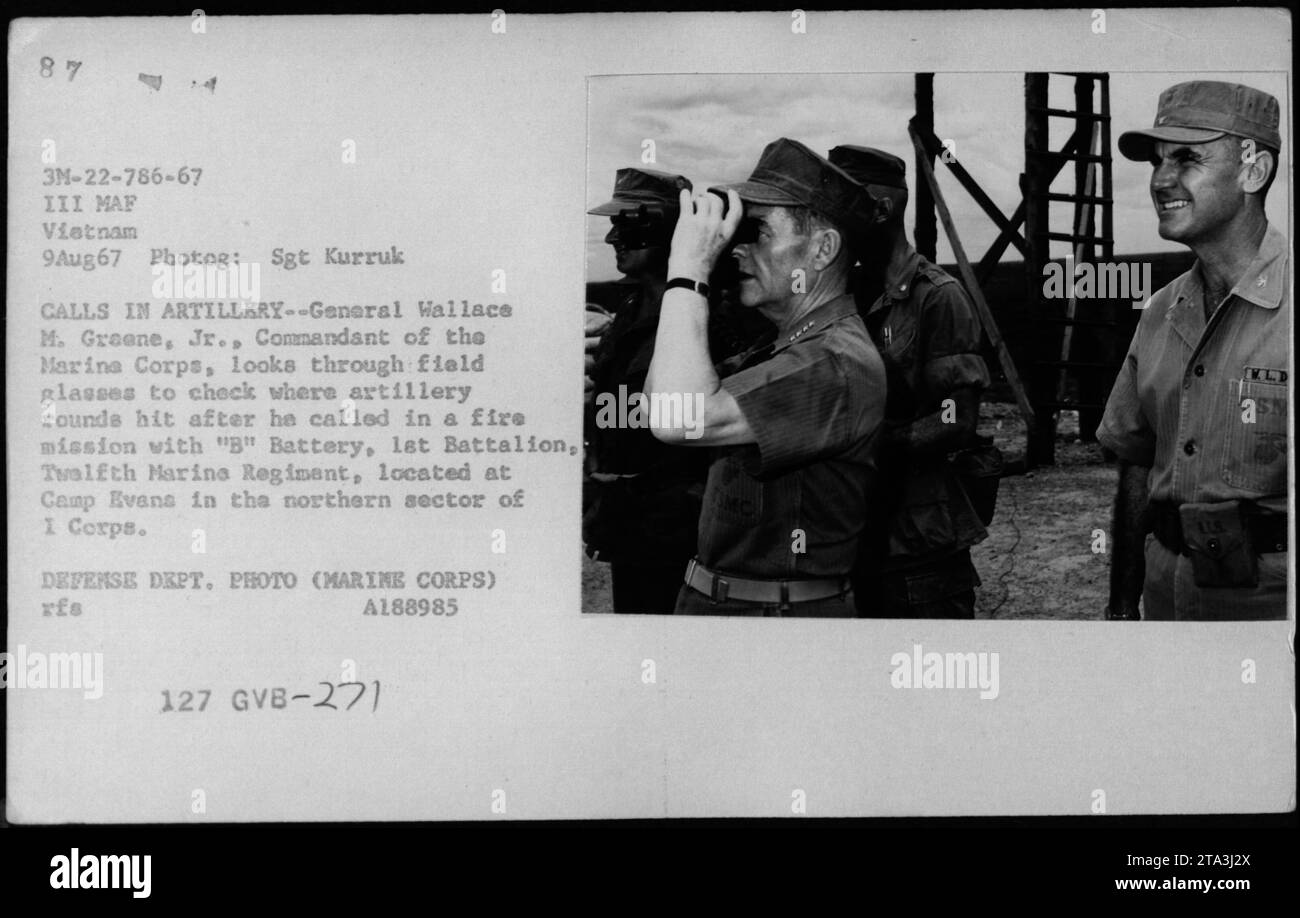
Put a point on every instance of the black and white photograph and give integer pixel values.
(1007, 438)
(924, 462)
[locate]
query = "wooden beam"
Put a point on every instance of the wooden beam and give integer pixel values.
(924, 231)
(1107, 218)
(1084, 223)
(1041, 165)
(973, 288)
(1082, 253)
(934, 147)
(991, 258)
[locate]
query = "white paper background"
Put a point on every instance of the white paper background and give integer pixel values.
(472, 156)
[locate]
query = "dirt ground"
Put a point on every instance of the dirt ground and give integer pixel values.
(1037, 562)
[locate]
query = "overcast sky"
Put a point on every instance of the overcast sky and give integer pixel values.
(712, 128)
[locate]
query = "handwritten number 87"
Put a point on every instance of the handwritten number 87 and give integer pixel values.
(47, 67)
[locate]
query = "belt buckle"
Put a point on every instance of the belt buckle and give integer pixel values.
(718, 589)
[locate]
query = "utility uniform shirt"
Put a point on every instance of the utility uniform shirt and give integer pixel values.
(928, 333)
(1204, 406)
(792, 505)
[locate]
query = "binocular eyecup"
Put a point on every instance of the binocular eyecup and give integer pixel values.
(645, 215)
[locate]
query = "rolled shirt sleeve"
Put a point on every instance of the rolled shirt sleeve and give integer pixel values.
(1125, 429)
(804, 404)
(952, 346)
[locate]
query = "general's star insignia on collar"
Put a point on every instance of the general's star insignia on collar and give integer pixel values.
(1261, 282)
(807, 326)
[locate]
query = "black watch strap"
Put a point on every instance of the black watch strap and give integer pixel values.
(698, 286)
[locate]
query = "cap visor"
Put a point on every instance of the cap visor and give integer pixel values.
(758, 193)
(1136, 145)
(615, 207)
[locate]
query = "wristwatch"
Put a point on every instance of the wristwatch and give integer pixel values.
(698, 286)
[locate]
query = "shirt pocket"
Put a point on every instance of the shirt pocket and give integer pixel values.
(735, 495)
(922, 521)
(899, 357)
(900, 346)
(1255, 437)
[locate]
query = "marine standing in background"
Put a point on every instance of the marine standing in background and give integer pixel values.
(915, 560)
(641, 497)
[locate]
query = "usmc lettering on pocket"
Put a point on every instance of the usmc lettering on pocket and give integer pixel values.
(1255, 439)
(738, 497)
